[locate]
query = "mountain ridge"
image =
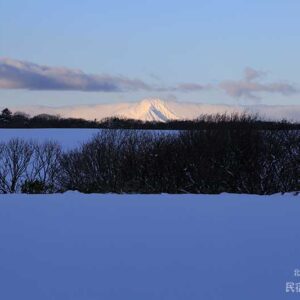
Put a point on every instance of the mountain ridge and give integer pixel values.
(155, 109)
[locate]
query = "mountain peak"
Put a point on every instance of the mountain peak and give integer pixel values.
(151, 109)
(154, 109)
(147, 102)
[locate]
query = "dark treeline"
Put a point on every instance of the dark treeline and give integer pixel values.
(231, 121)
(243, 160)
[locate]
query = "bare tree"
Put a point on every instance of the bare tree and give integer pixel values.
(45, 166)
(15, 158)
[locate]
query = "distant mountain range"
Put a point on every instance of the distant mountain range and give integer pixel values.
(159, 110)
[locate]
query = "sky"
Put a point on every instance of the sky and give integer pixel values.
(71, 52)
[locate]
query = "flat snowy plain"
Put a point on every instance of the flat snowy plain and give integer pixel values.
(83, 247)
(68, 138)
(138, 247)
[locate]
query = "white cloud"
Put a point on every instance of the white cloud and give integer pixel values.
(250, 87)
(15, 74)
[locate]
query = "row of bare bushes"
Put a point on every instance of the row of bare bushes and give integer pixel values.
(135, 161)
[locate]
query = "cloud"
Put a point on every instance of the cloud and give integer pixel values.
(251, 74)
(249, 89)
(184, 87)
(190, 87)
(251, 86)
(15, 74)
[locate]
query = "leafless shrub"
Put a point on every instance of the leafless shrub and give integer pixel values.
(236, 160)
(14, 161)
(27, 161)
(45, 166)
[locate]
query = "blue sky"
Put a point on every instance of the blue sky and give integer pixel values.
(163, 44)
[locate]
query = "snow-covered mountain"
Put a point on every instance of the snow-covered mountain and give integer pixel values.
(150, 110)
(155, 109)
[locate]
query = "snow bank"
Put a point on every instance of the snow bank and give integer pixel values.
(74, 246)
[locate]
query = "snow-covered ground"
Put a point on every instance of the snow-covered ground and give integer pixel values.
(88, 247)
(68, 138)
